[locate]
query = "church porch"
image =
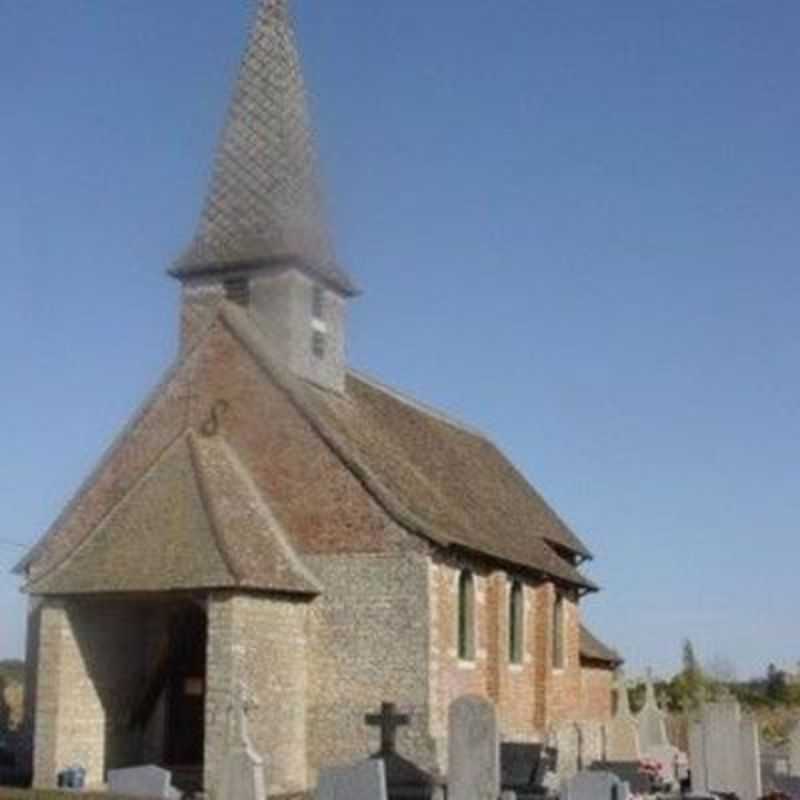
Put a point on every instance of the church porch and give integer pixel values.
(121, 682)
(145, 679)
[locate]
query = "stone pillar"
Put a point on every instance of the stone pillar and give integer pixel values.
(89, 671)
(69, 723)
(259, 641)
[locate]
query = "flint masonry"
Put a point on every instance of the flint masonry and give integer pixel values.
(273, 517)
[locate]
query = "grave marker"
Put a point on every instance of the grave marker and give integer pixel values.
(474, 761)
(147, 781)
(794, 751)
(365, 780)
(242, 776)
(622, 732)
(594, 785)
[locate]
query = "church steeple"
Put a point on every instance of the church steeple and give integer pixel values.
(263, 237)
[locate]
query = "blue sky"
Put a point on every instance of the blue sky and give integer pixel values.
(576, 225)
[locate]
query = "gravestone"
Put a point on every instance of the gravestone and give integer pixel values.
(652, 726)
(242, 775)
(724, 752)
(654, 742)
(365, 780)
(622, 732)
(523, 768)
(146, 781)
(473, 750)
(794, 751)
(404, 779)
(594, 785)
(628, 772)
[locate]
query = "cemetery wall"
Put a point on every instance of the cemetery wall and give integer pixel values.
(261, 641)
(369, 643)
(90, 657)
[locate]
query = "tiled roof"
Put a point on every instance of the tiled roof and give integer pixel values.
(193, 521)
(264, 205)
(434, 477)
(592, 648)
(178, 509)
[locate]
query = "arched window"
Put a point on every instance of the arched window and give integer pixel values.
(466, 616)
(516, 623)
(558, 631)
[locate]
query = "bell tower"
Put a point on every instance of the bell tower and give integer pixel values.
(263, 240)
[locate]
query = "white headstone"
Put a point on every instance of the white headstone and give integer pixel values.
(594, 786)
(622, 732)
(794, 751)
(365, 780)
(698, 763)
(473, 750)
(750, 787)
(724, 752)
(242, 776)
(651, 722)
(146, 781)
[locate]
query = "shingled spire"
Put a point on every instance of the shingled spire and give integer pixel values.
(263, 240)
(264, 205)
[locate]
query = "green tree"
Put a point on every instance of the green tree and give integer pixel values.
(777, 686)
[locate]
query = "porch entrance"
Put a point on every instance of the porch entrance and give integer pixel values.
(186, 689)
(170, 713)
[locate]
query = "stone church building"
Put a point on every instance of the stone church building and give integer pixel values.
(271, 517)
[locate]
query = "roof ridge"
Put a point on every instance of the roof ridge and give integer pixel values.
(182, 360)
(276, 529)
(251, 337)
(205, 498)
(240, 324)
(407, 399)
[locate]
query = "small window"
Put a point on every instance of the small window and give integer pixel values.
(558, 632)
(318, 302)
(318, 344)
(466, 616)
(516, 623)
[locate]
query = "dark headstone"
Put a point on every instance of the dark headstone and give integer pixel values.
(404, 779)
(523, 767)
(363, 781)
(388, 720)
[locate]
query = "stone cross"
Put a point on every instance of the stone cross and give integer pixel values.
(242, 703)
(242, 776)
(389, 720)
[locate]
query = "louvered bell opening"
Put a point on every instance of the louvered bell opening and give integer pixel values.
(237, 290)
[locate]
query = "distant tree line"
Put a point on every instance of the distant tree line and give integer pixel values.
(693, 685)
(12, 670)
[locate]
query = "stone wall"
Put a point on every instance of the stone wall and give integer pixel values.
(565, 703)
(579, 745)
(90, 667)
(531, 697)
(597, 687)
(369, 644)
(259, 640)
